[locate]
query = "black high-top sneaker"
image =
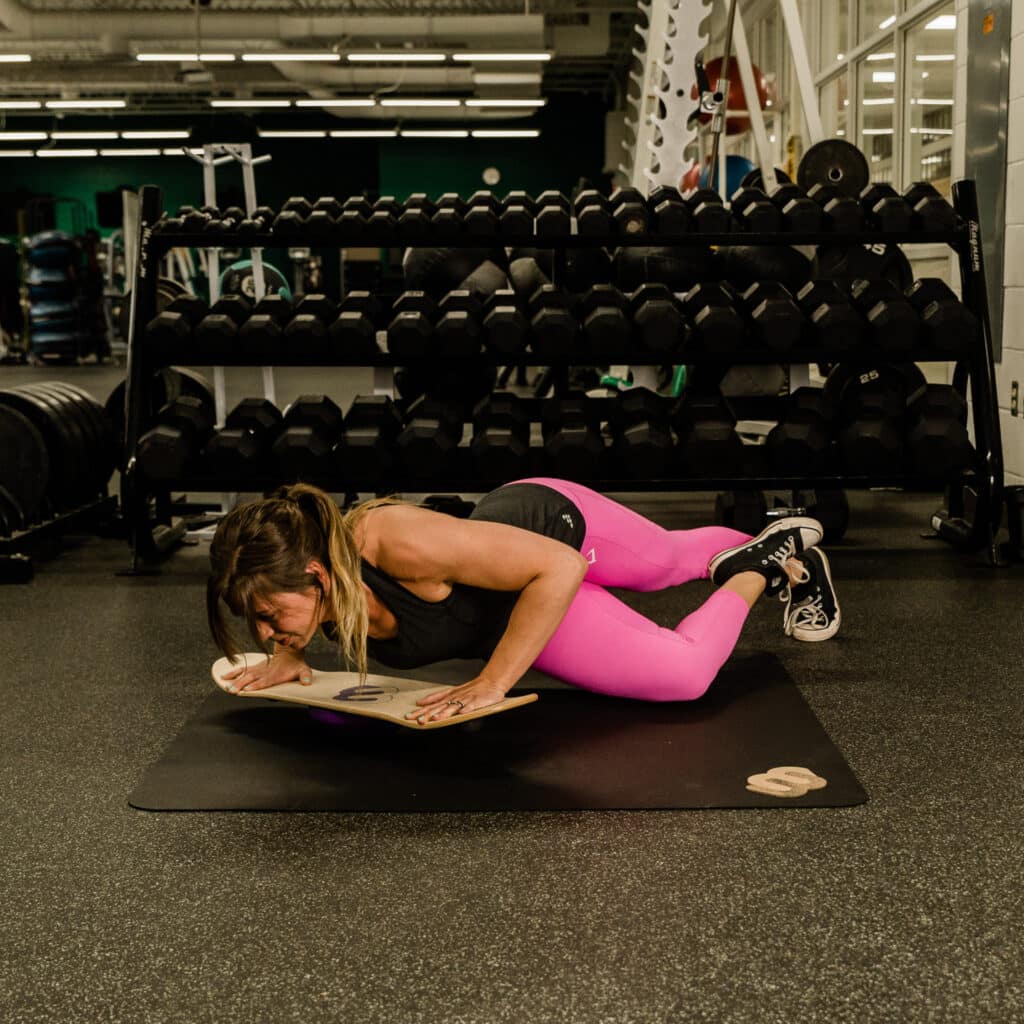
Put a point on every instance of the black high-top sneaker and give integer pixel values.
(812, 613)
(768, 552)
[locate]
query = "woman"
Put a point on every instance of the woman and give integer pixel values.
(520, 583)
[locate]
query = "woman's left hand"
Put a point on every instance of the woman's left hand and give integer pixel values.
(477, 693)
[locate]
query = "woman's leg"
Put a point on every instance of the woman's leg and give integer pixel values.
(605, 646)
(625, 549)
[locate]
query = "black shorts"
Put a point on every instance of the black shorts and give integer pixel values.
(536, 508)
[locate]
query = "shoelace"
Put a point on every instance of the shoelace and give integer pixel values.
(786, 594)
(809, 614)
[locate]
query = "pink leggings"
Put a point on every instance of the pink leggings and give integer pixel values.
(605, 646)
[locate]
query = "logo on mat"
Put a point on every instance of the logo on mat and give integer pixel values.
(591, 556)
(367, 694)
(790, 781)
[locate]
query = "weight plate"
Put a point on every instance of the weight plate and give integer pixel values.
(845, 264)
(65, 478)
(238, 279)
(71, 420)
(834, 162)
(754, 178)
(102, 432)
(24, 464)
(97, 443)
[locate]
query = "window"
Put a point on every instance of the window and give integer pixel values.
(876, 103)
(930, 67)
(835, 105)
(874, 16)
(834, 32)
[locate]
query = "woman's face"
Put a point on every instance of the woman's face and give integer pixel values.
(289, 619)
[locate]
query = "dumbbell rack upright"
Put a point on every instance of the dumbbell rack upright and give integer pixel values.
(974, 502)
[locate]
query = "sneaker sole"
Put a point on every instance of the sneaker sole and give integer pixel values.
(793, 523)
(810, 636)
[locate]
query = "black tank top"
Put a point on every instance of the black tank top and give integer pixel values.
(470, 621)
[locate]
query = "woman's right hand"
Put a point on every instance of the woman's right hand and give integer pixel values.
(281, 668)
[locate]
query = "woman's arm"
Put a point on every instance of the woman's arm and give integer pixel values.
(415, 544)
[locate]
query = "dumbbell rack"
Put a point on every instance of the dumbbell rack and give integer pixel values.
(979, 493)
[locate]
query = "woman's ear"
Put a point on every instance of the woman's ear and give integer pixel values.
(320, 575)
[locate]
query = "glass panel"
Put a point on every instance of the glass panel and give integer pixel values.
(834, 38)
(931, 67)
(876, 102)
(835, 104)
(873, 16)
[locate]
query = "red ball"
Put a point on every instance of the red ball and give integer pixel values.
(737, 99)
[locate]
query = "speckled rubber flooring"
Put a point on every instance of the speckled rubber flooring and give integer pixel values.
(906, 909)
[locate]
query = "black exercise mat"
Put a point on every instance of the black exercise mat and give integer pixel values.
(571, 750)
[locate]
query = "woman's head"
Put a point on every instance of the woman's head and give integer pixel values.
(285, 564)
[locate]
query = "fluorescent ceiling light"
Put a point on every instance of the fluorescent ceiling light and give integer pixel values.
(16, 152)
(889, 22)
(155, 135)
(496, 57)
(250, 103)
(67, 152)
(22, 136)
(935, 58)
(86, 104)
(129, 152)
(507, 77)
(292, 134)
(183, 151)
(388, 133)
(486, 133)
(933, 103)
(446, 134)
(840, 56)
(840, 131)
(187, 58)
(882, 77)
(943, 23)
(878, 103)
(399, 57)
(82, 136)
(881, 56)
(285, 58)
(336, 103)
(876, 131)
(15, 58)
(931, 131)
(20, 105)
(506, 103)
(420, 103)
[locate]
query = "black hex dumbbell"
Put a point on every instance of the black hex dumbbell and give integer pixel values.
(641, 438)
(169, 449)
(708, 445)
(893, 324)
(169, 333)
(885, 209)
(669, 214)
(505, 329)
(414, 220)
(483, 214)
(629, 211)
(753, 211)
(605, 321)
(303, 448)
(931, 211)
(323, 219)
(707, 211)
(799, 213)
(457, 330)
(292, 218)
(800, 443)
(775, 320)
(553, 218)
(718, 327)
(517, 212)
(500, 448)
(593, 214)
(554, 329)
(447, 220)
(260, 336)
(216, 334)
(835, 326)
(411, 330)
(573, 446)
(305, 334)
(658, 323)
(353, 223)
(353, 334)
(240, 448)
(938, 446)
(366, 449)
(840, 212)
(427, 444)
(949, 326)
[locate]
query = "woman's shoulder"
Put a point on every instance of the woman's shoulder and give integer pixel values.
(385, 526)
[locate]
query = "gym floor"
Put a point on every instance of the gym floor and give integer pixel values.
(908, 908)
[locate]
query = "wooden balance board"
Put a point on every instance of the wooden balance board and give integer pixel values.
(384, 697)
